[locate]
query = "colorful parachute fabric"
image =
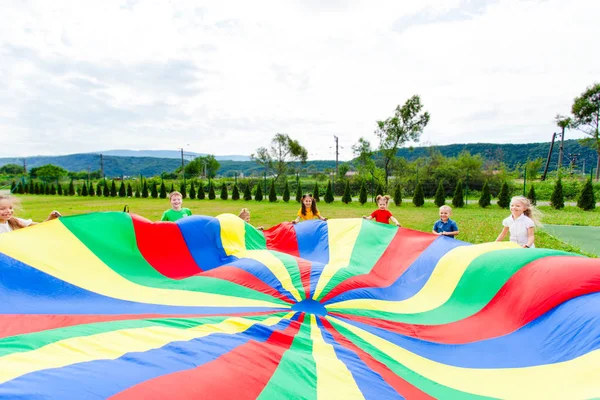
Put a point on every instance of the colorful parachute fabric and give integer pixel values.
(110, 305)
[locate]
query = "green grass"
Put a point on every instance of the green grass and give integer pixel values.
(476, 225)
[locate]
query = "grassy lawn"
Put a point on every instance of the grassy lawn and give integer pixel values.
(476, 225)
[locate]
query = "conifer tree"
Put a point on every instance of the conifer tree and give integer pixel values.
(182, 190)
(145, 190)
(99, 191)
(224, 193)
(32, 187)
(235, 194)
(258, 196)
(21, 188)
(192, 191)
(328, 193)
(347, 197)
(486, 198)
(247, 193)
(113, 189)
(272, 193)
(532, 196)
(316, 194)
(172, 188)
(557, 200)
(286, 192)
(379, 190)
(440, 195)
(153, 190)
(299, 193)
(362, 196)
(59, 190)
(504, 196)
(84, 190)
(13, 187)
(458, 199)
(586, 200)
(71, 188)
(122, 189)
(52, 189)
(201, 194)
(398, 195)
(106, 189)
(211, 191)
(129, 190)
(419, 197)
(163, 190)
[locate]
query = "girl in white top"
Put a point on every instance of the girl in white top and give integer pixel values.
(521, 223)
(8, 222)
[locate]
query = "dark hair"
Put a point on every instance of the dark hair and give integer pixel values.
(313, 204)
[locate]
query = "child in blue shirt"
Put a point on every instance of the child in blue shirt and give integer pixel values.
(445, 226)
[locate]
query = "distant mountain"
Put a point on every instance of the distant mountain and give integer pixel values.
(114, 165)
(167, 154)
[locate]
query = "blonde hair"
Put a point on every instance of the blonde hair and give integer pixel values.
(175, 193)
(15, 203)
(387, 198)
(447, 208)
(244, 211)
(530, 210)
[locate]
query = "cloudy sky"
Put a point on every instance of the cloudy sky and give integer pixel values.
(223, 77)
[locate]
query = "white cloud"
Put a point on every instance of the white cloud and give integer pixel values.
(224, 77)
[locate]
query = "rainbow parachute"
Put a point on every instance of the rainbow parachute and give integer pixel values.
(113, 305)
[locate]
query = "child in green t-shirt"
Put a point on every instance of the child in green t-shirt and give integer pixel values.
(176, 212)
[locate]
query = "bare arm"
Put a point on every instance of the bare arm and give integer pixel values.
(502, 234)
(449, 233)
(530, 237)
(296, 220)
(367, 217)
(395, 221)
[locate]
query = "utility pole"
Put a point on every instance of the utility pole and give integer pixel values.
(102, 166)
(337, 153)
(548, 159)
(561, 149)
(182, 166)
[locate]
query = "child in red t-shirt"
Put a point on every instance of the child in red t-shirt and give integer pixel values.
(382, 214)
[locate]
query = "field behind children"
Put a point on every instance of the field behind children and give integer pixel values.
(477, 225)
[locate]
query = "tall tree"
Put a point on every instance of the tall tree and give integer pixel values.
(486, 197)
(328, 193)
(207, 166)
(84, 190)
(557, 199)
(362, 196)
(586, 199)
(398, 195)
(211, 191)
(440, 195)
(163, 190)
(316, 194)
(224, 192)
(299, 193)
(122, 189)
(407, 124)
(192, 191)
(282, 151)
(247, 193)
(586, 118)
(258, 196)
(347, 197)
(286, 192)
(419, 196)
(153, 190)
(113, 189)
(504, 196)
(48, 172)
(129, 190)
(201, 194)
(272, 193)
(235, 193)
(458, 199)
